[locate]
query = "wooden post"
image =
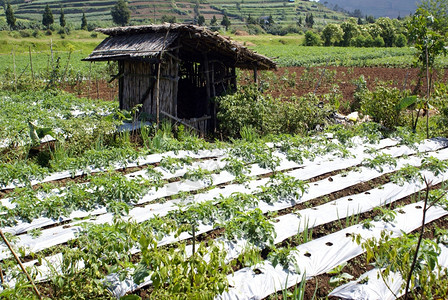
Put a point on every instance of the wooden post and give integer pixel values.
(213, 95)
(20, 264)
(66, 67)
(207, 82)
(51, 51)
(14, 66)
(233, 80)
(158, 81)
(97, 86)
(121, 83)
(158, 94)
(90, 77)
(176, 83)
(31, 64)
(255, 74)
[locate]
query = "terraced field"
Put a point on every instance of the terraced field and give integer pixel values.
(184, 11)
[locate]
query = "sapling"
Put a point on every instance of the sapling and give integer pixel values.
(285, 257)
(431, 199)
(412, 256)
(339, 277)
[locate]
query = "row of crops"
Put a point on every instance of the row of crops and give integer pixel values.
(231, 221)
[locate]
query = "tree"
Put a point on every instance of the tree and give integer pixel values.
(84, 25)
(201, 20)
(378, 41)
(357, 13)
(121, 13)
(168, 19)
(309, 20)
(225, 22)
(62, 19)
(401, 40)
(47, 17)
(311, 39)
(351, 30)
(213, 21)
(439, 9)
(387, 31)
(370, 19)
(10, 18)
(251, 20)
(429, 40)
(332, 34)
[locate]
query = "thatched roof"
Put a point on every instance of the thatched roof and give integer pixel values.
(148, 41)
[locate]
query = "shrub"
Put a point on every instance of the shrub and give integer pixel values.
(24, 33)
(382, 106)
(266, 115)
(312, 39)
(378, 42)
(369, 42)
(359, 41)
(401, 40)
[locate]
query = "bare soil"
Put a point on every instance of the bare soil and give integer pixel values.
(288, 81)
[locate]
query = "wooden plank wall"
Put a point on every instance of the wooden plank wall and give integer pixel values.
(138, 86)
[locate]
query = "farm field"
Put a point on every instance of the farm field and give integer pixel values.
(255, 205)
(98, 206)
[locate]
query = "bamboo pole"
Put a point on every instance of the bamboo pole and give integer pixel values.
(20, 264)
(1, 276)
(31, 64)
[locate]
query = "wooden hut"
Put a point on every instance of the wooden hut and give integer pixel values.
(175, 69)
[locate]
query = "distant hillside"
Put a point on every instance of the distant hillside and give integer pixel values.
(283, 11)
(377, 8)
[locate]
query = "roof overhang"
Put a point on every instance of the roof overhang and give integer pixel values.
(149, 41)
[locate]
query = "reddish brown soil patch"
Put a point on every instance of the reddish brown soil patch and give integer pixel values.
(94, 89)
(288, 81)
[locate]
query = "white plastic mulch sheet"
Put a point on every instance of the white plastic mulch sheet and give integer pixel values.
(320, 256)
(288, 225)
(61, 234)
(375, 287)
(141, 161)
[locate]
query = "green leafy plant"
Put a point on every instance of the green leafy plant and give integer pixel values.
(284, 257)
(252, 226)
(282, 187)
(379, 161)
(201, 174)
(339, 277)
(172, 164)
(202, 275)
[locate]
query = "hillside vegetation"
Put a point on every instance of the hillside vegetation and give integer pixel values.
(283, 11)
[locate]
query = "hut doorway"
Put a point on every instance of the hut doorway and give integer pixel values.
(192, 99)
